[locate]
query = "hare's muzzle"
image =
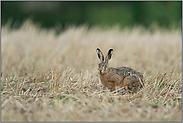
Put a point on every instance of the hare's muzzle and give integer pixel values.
(100, 71)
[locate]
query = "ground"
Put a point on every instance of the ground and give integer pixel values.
(48, 77)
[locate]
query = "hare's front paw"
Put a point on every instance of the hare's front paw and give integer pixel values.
(110, 87)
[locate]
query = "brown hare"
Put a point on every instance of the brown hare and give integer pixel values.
(115, 78)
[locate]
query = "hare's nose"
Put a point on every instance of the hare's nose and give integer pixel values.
(100, 71)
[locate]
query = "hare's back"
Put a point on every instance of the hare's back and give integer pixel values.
(127, 71)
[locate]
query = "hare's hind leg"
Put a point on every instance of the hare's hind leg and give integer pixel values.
(131, 83)
(127, 81)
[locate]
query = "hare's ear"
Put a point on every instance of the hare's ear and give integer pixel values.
(109, 54)
(100, 55)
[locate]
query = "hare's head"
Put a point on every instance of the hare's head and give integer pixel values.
(102, 67)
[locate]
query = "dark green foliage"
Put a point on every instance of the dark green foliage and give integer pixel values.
(49, 14)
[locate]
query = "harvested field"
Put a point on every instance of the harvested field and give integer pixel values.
(48, 77)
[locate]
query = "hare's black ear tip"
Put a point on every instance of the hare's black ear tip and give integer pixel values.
(111, 50)
(98, 49)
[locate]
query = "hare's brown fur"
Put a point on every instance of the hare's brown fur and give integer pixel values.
(118, 77)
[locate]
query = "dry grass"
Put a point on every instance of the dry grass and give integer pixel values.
(55, 78)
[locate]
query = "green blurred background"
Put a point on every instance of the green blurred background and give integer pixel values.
(62, 14)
